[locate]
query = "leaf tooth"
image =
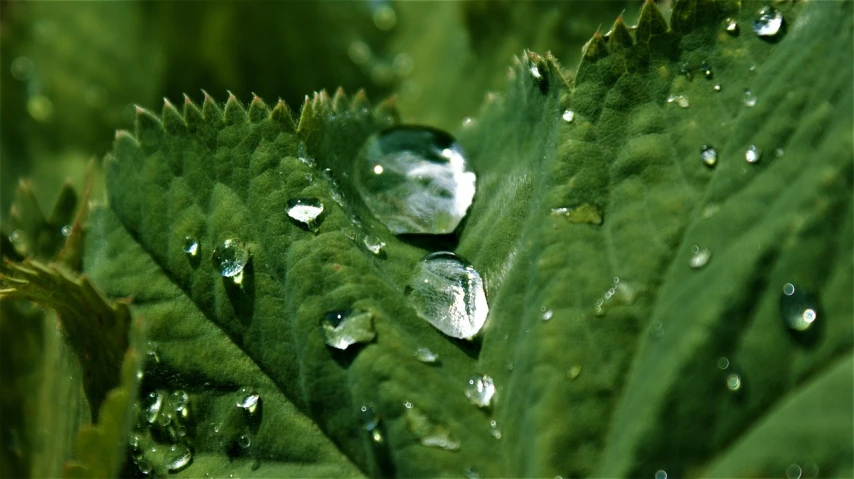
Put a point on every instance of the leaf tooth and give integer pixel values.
(258, 110)
(651, 22)
(234, 112)
(192, 115)
(619, 36)
(386, 113)
(555, 69)
(594, 50)
(149, 128)
(283, 117)
(172, 120)
(306, 115)
(211, 112)
(360, 102)
(339, 100)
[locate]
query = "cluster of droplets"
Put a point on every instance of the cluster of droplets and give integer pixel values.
(159, 443)
(619, 290)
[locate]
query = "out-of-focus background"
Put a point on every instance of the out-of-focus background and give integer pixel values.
(73, 71)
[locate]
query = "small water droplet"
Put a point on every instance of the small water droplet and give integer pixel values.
(574, 372)
(584, 213)
(377, 436)
(230, 257)
(723, 363)
(341, 329)
(305, 211)
(779, 152)
(547, 314)
(753, 154)
(798, 307)
(793, 471)
(66, 230)
(191, 246)
(494, 430)
(660, 474)
(717, 87)
(17, 236)
(768, 23)
(144, 466)
(731, 26)
(480, 389)
(424, 184)
(151, 406)
(368, 418)
(733, 381)
(244, 441)
(680, 100)
(709, 155)
(535, 72)
(22, 68)
(568, 116)
(699, 257)
(472, 472)
(384, 17)
(178, 458)
(181, 431)
(426, 356)
(448, 293)
(374, 245)
(407, 405)
(247, 399)
(749, 99)
(359, 52)
(707, 70)
(133, 441)
(179, 400)
(685, 69)
(429, 433)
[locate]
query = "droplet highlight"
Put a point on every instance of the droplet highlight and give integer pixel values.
(415, 179)
(342, 329)
(798, 308)
(448, 293)
(305, 211)
(479, 390)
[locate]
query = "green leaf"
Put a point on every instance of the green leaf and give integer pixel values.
(595, 220)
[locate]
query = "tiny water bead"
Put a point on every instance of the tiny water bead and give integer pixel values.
(547, 314)
(717, 87)
(680, 100)
(584, 213)
(305, 211)
(749, 99)
(426, 356)
(415, 179)
(707, 70)
(709, 155)
(731, 26)
(368, 418)
(230, 257)
(798, 308)
(151, 406)
(494, 430)
(753, 154)
(342, 329)
(448, 293)
(190, 246)
(568, 116)
(374, 245)
(244, 441)
(733, 382)
(722, 363)
(479, 390)
(66, 230)
(768, 23)
(699, 257)
(574, 372)
(247, 399)
(661, 474)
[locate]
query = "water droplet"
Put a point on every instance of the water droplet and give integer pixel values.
(731, 26)
(749, 99)
(17, 236)
(230, 257)
(151, 406)
(179, 400)
(479, 390)
(547, 314)
(429, 433)
(415, 179)
(733, 381)
(244, 441)
(768, 23)
(374, 245)
(574, 372)
(247, 399)
(181, 431)
(660, 474)
(798, 307)
(707, 70)
(717, 87)
(472, 472)
(133, 441)
(191, 246)
(753, 154)
(377, 436)
(535, 72)
(709, 155)
(685, 69)
(359, 52)
(342, 329)
(448, 293)
(568, 116)
(793, 471)
(178, 458)
(680, 100)
(384, 17)
(699, 257)
(426, 356)
(22, 68)
(368, 418)
(305, 210)
(66, 230)
(583, 213)
(144, 466)
(779, 152)
(496, 433)
(723, 363)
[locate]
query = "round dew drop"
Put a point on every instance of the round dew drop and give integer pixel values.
(753, 154)
(769, 22)
(247, 399)
(479, 390)
(709, 155)
(798, 308)
(230, 257)
(190, 246)
(749, 99)
(568, 116)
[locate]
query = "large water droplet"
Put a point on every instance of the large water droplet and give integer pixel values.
(151, 406)
(230, 258)
(794, 471)
(342, 329)
(547, 314)
(699, 257)
(479, 390)
(768, 23)
(798, 307)
(179, 400)
(749, 99)
(415, 179)
(305, 211)
(709, 155)
(426, 356)
(429, 433)
(247, 399)
(448, 293)
(191, 246)
(374, 245)
(179, 457)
